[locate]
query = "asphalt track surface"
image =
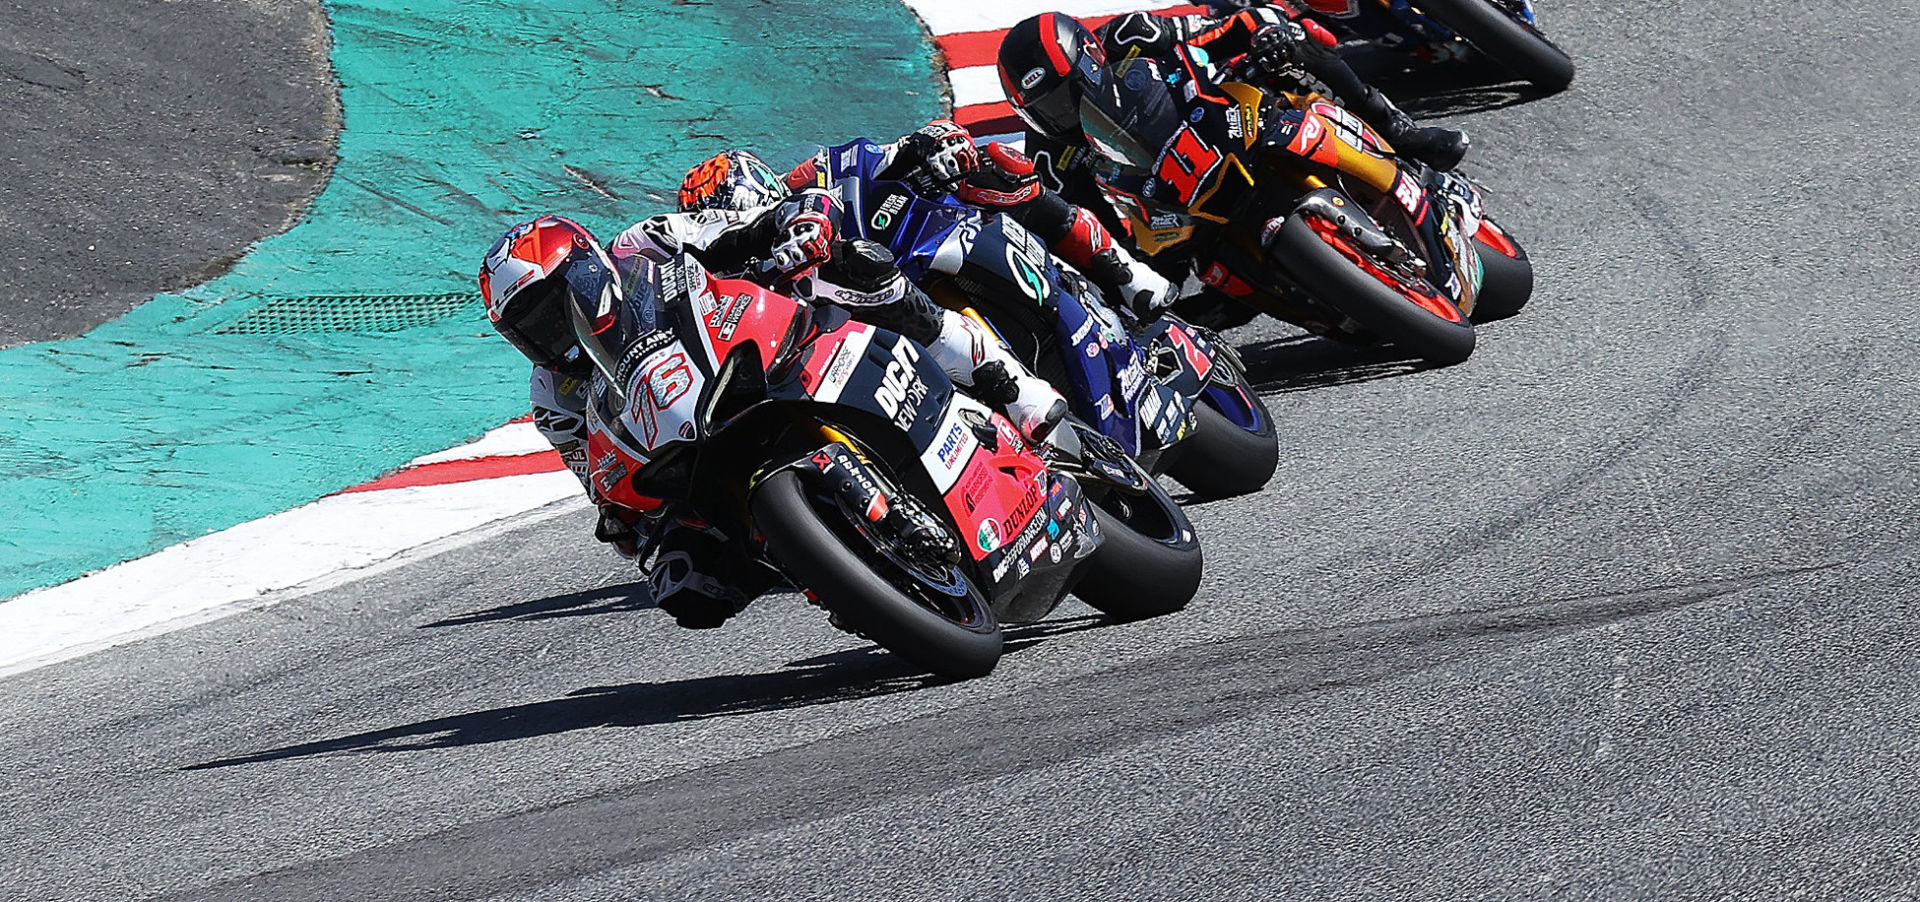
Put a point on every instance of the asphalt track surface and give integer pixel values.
(1621, 608)
(148, 143)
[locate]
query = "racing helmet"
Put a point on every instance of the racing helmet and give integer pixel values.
(731, 180)
(1047, 63)
(530, 280)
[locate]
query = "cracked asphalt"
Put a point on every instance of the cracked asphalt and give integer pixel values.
(1623, 607)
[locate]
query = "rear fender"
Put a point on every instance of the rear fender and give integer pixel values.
(1497, 238)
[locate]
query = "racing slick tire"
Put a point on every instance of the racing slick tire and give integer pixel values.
(960, 645)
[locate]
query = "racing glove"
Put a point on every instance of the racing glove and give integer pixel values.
(804, 229)
(1005, 178)
(945, 151)
(1275, 49)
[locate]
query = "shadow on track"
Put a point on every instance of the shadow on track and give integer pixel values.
(837, 677)
(584, 603)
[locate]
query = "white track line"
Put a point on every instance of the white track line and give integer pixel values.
(510, 440)
(231, 570)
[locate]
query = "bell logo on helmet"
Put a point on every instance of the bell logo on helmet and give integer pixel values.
(1032, 78)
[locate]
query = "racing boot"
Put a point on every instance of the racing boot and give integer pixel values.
(1441, 148)
(685, 582)
(976, 359)
(1133, 284)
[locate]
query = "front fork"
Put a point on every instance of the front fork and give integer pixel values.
(840, 470)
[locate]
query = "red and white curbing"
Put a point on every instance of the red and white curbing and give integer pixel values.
(968, 35)
(452, 497)
(505, 474)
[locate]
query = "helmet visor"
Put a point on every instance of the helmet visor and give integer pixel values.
(534, 324)
(1054, 112)
(1132, 117)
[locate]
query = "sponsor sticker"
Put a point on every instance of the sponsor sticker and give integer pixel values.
(1033, 77)
(950, 446)
(889, 208)
(989, 535)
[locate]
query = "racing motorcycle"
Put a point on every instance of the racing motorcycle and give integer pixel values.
(1367, 245)
(1504, 31)
(841, 455)
(1171, 394)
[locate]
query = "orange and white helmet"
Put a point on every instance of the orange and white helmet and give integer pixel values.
(731, 180)
(530, 280)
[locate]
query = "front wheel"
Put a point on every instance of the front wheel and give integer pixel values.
(1514, 44)
(1508, 279)
(1412, 316)
(944, 625)
(1233, 449)
(1148, 562)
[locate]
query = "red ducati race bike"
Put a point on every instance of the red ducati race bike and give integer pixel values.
(1301, 210)
(843, 456)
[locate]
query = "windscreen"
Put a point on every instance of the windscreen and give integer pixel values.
(1132, 117)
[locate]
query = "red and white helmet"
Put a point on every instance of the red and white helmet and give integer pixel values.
(530, 280)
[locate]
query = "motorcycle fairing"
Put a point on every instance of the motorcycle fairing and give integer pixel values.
(1112, 389)
(994, 256)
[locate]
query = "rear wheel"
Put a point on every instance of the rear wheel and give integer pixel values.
(1508, 279)
(1514, 44)
(1411, 316)
(1233, 449)
(1148, 563)
(933, 617)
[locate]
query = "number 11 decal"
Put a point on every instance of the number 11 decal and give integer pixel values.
(1186, 163)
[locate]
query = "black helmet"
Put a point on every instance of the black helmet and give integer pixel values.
(1046, 64)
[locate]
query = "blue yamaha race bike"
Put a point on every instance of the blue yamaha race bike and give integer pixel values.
(1504, 31)
(1170, 394)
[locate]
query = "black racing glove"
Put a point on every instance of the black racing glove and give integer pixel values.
(1275, 49)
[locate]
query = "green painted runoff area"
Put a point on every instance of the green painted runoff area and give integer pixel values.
(461, 117)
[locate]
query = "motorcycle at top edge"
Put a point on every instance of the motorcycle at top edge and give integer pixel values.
(1171, 394)
(1507, 32)
(1367, 245)
(842, 455)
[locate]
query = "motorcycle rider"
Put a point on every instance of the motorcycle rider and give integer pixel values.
(1045, 62)
(735, 221)
(532, 274)
(528, 279)
(1049, 61)
(941, 157)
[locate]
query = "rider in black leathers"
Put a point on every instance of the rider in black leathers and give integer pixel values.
(1049, 61)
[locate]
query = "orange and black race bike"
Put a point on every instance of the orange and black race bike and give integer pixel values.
(1292, 205)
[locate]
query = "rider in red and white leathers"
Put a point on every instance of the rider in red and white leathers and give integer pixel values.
(796, 237)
